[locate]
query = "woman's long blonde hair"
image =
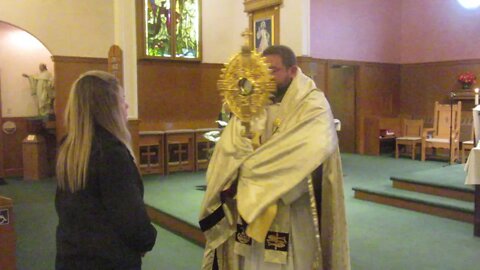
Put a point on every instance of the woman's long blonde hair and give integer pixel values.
(95, 99)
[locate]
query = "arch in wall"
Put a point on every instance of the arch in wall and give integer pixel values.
(21, 53)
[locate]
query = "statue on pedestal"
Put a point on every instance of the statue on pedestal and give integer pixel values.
(41, 85)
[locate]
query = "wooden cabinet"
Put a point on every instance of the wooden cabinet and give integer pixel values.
(151, 152)
(203, 148)
(35, 166)
(180, 150)
(373, 139)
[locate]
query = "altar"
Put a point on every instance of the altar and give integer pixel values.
(472, 167)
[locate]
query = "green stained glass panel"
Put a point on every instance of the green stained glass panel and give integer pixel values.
(158, 21)
(188, 28)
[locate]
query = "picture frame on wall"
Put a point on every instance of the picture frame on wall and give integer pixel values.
(264, 26)
(263, 34)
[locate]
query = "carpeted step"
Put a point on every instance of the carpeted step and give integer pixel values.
(430, 204)
(432, 188)
(176, 225)
(445, 182)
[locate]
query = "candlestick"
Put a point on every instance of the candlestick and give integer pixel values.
(476, 96)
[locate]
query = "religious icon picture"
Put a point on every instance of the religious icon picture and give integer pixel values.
(263, 34)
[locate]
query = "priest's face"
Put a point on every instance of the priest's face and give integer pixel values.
(283, 75)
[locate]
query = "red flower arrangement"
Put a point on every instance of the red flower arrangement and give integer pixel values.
(467, 79)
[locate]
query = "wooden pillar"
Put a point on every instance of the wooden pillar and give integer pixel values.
(115, 62)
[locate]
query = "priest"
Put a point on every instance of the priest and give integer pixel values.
(276, 201)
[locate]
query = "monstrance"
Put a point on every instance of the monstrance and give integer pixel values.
(246, 85)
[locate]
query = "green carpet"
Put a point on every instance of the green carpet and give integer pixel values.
(381, 237)
(36, 221)
(176, 195)
(389, 238)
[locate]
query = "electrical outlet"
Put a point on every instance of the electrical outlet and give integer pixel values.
(9, 111)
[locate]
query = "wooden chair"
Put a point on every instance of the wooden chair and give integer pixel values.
(411, 136)
(440, 136)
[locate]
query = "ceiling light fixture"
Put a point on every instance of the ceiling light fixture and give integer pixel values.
(469, 4)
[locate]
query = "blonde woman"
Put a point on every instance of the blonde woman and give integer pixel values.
(103, 223)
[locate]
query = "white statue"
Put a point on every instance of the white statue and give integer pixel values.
(41, 85)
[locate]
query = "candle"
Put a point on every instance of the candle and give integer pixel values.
(476, 96)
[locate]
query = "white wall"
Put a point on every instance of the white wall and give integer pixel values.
(126, 38)
(295, 26)
(223, 21)
(67, 28)
(87, 29)
(20, 53)
(367, 30)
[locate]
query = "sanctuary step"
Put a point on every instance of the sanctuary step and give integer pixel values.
(465, 193)
(176, 225)
(173, 202)
(445, 181)
(420, 202)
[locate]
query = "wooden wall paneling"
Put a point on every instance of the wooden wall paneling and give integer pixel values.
(66, 71)
(342, 92)
(316, 69)
(177, 95)
(423, 84)
(133, 127)
(377, 95)
(379, 86)
(12, 152)
(371, 132)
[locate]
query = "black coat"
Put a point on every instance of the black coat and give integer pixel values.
(104, 226)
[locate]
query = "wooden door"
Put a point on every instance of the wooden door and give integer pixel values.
(341, 95)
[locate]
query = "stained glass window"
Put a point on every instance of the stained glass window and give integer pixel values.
(172, 28)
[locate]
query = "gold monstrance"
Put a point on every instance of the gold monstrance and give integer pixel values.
(246, 85)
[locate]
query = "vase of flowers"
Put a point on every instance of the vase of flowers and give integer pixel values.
(467, 79)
